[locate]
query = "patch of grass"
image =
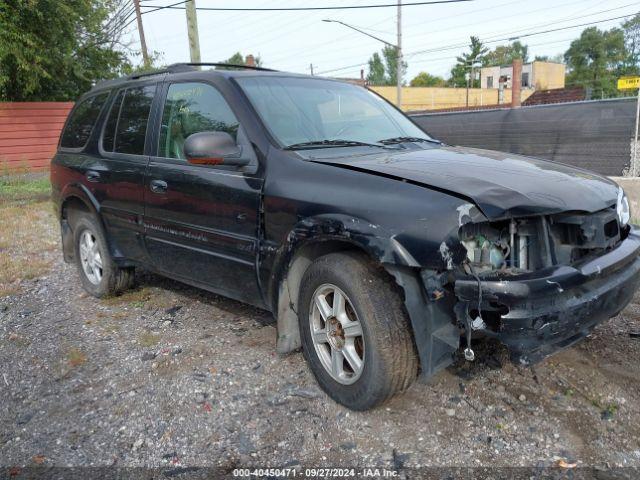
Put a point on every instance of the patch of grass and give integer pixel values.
(609, 408)
(148, 339)
(137, 297)
(28, 233)
(76, 357)
(21, 188)
(142, 297)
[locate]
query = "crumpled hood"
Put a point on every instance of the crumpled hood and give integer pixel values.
(500, 184)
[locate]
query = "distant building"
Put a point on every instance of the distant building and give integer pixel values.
(535, 75)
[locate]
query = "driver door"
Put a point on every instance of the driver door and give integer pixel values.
(201, 221)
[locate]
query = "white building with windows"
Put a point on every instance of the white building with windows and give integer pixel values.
(535, 75)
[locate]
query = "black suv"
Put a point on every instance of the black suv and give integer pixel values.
(377, 248)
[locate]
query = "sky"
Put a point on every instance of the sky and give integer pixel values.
(432, 35)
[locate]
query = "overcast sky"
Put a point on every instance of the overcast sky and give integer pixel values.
(293, 40)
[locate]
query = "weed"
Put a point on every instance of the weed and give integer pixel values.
(76, 357)
(148, 339)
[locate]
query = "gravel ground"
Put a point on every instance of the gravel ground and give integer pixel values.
(170, 376)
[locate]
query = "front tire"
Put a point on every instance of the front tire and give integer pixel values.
(99, 275)
(355, 332)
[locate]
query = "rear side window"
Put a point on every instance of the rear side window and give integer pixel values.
(126, 126)
(82, 120)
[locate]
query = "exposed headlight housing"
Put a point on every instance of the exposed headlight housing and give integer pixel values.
(622, 208)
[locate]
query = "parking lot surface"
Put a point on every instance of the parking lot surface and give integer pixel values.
(170, 376)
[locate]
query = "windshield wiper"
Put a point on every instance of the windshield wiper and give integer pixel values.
(331, 143)
(396, 140)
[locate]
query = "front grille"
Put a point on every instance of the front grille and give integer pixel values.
(577, 235)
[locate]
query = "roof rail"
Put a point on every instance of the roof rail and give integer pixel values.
(189, 67)
(175, 68)
(180, 67)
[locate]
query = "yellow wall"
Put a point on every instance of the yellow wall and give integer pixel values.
(428, 98)
(548, 75)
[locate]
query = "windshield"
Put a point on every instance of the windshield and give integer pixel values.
(298, 111)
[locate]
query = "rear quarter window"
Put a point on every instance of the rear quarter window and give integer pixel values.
(82, 121)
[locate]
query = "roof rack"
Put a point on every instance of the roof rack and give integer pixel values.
(181, 66)
(189, 67)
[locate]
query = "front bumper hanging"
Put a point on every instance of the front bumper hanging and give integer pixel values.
(548, 310)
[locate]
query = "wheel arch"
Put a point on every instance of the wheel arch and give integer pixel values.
(313, 238)
(75, 199)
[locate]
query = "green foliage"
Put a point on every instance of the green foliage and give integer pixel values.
(238, 59)
(24, 187)
(463, 66)
(385, 73)
(506, 54)
(376, 70)
(631, 30)
(390, 55)
(57, 49)
(424, 79)
(596, 60)
(557, 58)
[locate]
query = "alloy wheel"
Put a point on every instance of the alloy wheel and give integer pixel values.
(90, 257)
(337, 334)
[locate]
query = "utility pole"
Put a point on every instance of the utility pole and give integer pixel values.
(399, 55)
(192, 30)
(143, 42)
(311, 68)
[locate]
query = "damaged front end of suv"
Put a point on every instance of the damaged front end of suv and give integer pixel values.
(532, 253)
(540, 283)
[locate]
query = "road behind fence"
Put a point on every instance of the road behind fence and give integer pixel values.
(595, 135)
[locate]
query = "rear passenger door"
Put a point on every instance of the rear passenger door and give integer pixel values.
(201, 221)
(118, 178)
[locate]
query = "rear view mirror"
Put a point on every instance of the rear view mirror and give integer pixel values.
(213, 148)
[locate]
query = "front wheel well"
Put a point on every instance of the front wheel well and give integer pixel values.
(288, 288)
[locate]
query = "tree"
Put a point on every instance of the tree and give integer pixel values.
(506, 54)
(458, 73)
(596, 59)
(557, 58)
(390, 55)
(238, 59)
(385, 73)
(376, 70)
(631, 30)
(424, 79)
(57, 49)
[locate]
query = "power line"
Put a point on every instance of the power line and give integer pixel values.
(342, 50)
(514, 37)
(300, 9)
(517, 36)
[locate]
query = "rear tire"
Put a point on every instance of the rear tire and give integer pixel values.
(378, 357)
(99, 275)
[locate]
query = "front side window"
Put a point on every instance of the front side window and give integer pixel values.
(82, 120)
(300, 110)
(126, 126)
(191, 108)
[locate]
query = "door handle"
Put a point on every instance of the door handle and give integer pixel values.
(158, 186)
(93, 176)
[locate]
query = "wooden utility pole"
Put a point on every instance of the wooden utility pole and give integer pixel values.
(143, 42)
(192, 29)
(399, 57)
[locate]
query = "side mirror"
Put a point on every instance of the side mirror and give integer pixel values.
(213, 148)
